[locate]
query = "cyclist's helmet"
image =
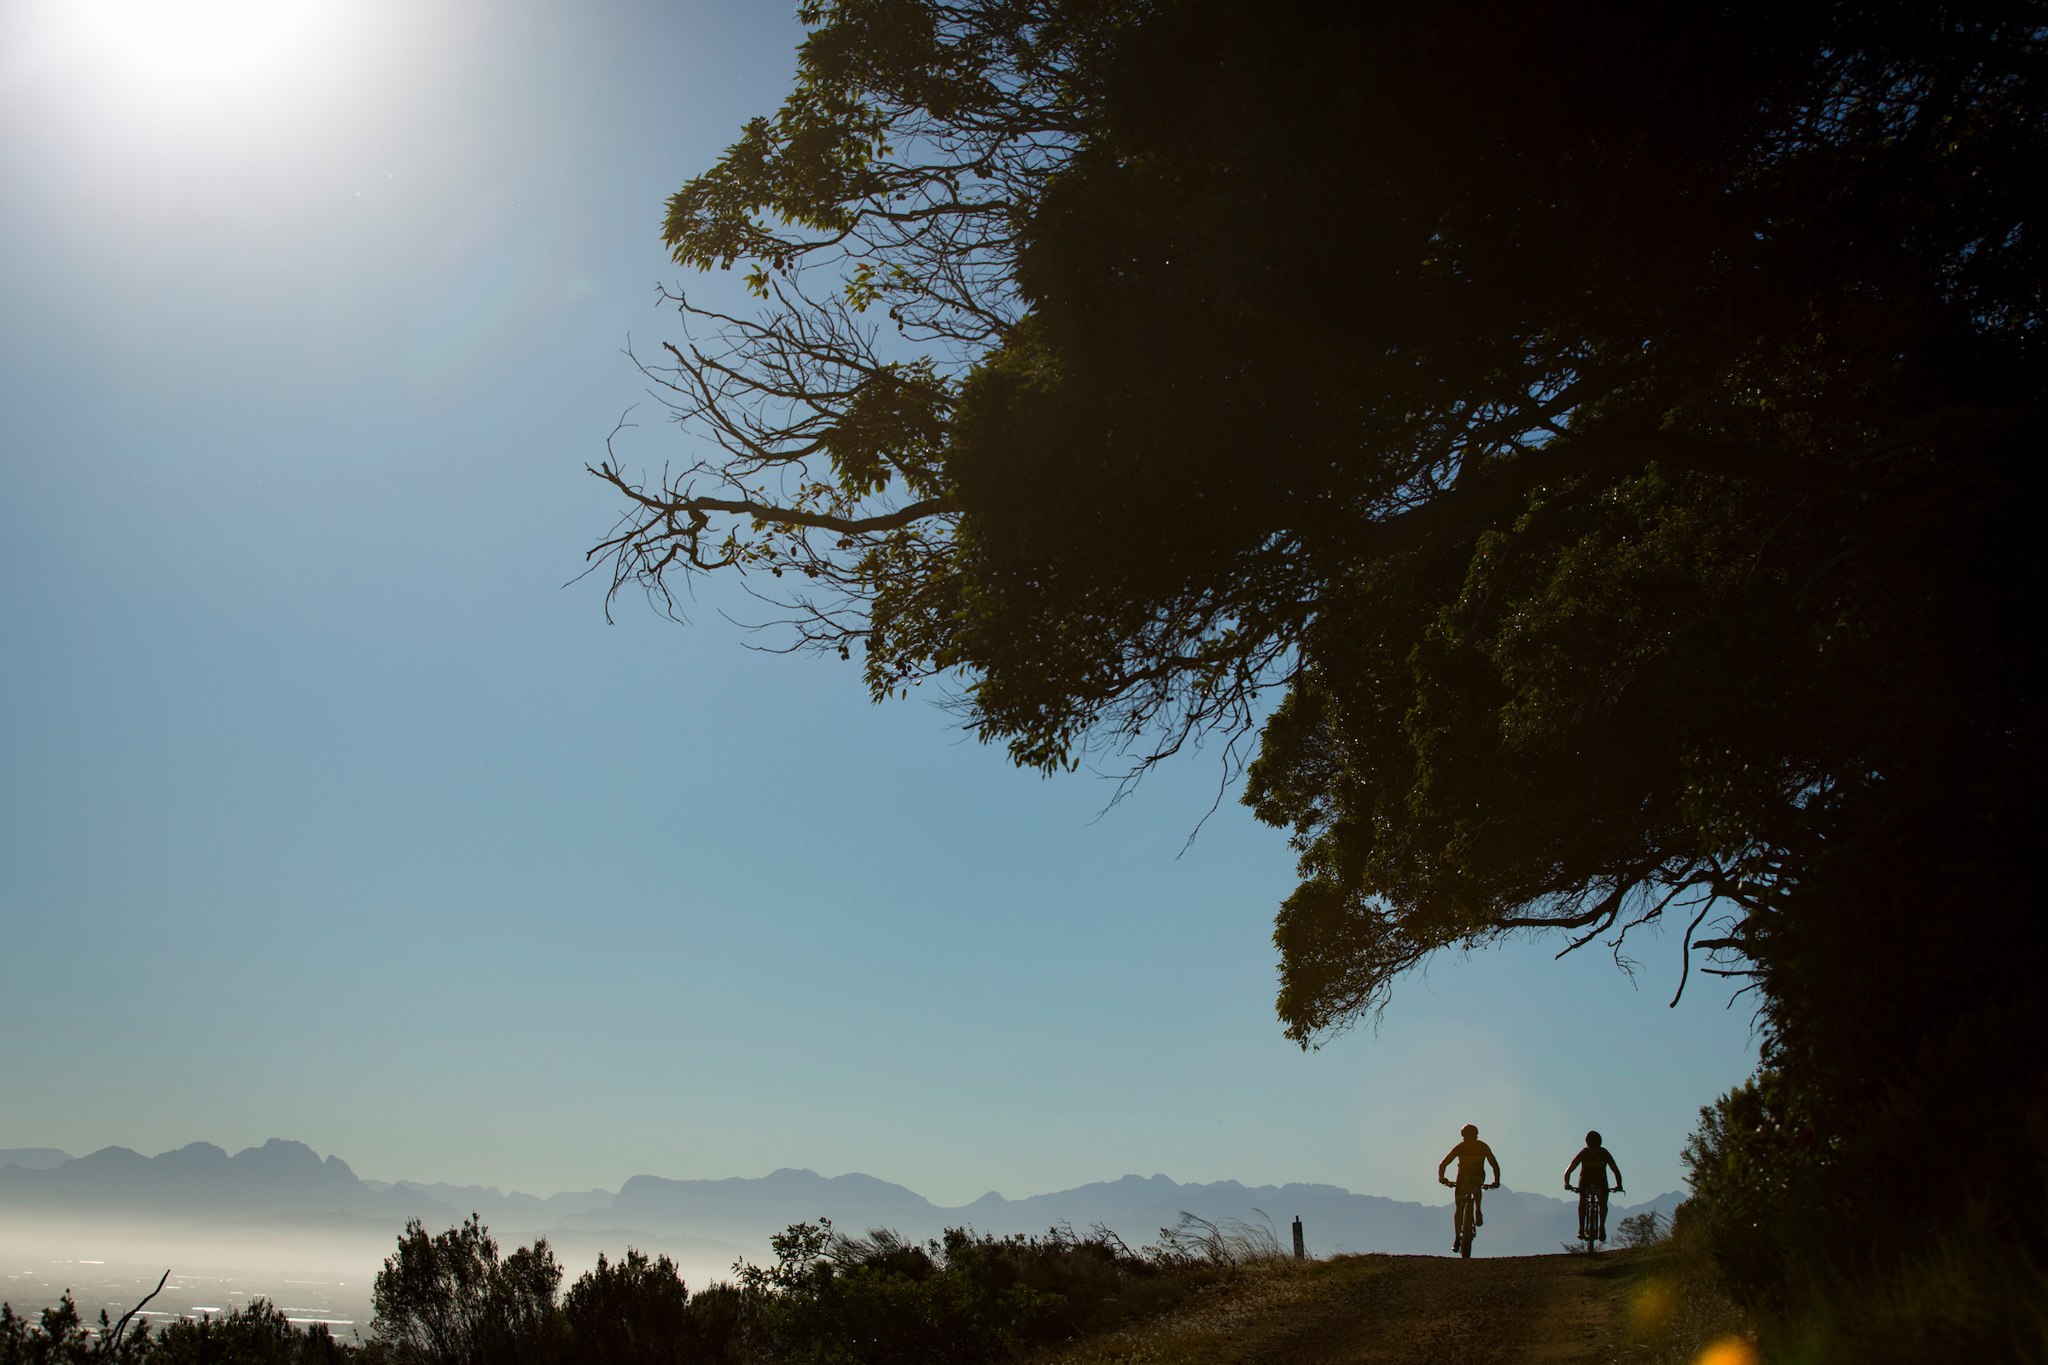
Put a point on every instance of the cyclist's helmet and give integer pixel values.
(1593, 1139)
(1470, 1130)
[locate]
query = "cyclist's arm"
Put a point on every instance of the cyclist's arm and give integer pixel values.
(1573, 1167)
(1441, 1166)
(1615, 1166)
(1495, 1164)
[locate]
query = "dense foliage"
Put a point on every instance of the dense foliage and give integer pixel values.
(1605, 429)
(450, 1298)
(258, 1334)
(1611, 431)
(1849, 1240)
(967, 1298)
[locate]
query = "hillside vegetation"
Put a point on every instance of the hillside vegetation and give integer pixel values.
(451, 1298)
(1203, 1295)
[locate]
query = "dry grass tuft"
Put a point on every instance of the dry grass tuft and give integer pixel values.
(1197, 1241)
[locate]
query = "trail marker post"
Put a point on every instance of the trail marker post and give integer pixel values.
(1300, 1247)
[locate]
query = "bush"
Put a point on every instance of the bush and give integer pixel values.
(1895, 1218)
(638, 1312)
(256, 1335)
(449, 1299)
(1642, 1230)
(1749, 1165)
(963, 1299)
(57, 1337)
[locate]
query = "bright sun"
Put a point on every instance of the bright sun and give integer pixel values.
(202, 46)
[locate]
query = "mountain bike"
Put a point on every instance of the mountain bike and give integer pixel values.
(1591, 1213)
(1465, 1220)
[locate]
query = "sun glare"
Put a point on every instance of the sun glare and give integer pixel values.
(201, 48)
(1729, 1351)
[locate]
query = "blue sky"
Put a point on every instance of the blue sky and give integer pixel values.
(328, 812)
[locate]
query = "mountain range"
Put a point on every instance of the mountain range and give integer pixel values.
(285, 1192)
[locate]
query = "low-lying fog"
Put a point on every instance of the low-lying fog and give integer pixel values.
(313, 1276)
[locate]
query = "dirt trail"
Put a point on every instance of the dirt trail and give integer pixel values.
(1401, 1310)
(1391, 1310)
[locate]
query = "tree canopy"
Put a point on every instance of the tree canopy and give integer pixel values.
(1607, 431)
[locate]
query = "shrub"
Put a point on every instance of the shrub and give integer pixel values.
(256, 1335)
(1896, 1217)
(1642, 1230)
(638, 1312)
(962, 1299)
(57, 1337)
(449, 1300)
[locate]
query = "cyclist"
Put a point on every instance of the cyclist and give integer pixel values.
(1592, 1163)
(1473, 1157)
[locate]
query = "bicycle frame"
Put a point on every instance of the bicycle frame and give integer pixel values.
(1590, 1214)
(1466, 1217)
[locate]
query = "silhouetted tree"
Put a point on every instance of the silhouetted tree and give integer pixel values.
(636, 1312)
(57, 1336)
(1603, 428)
(1609, 430)
(449, 1299)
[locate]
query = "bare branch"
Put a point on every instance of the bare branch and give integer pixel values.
(114, 1345)
(1685, 952)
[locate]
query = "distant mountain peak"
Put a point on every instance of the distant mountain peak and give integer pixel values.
(113, 1156)
(33, 1158)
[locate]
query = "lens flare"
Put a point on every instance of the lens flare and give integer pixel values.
(1729, 1351)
